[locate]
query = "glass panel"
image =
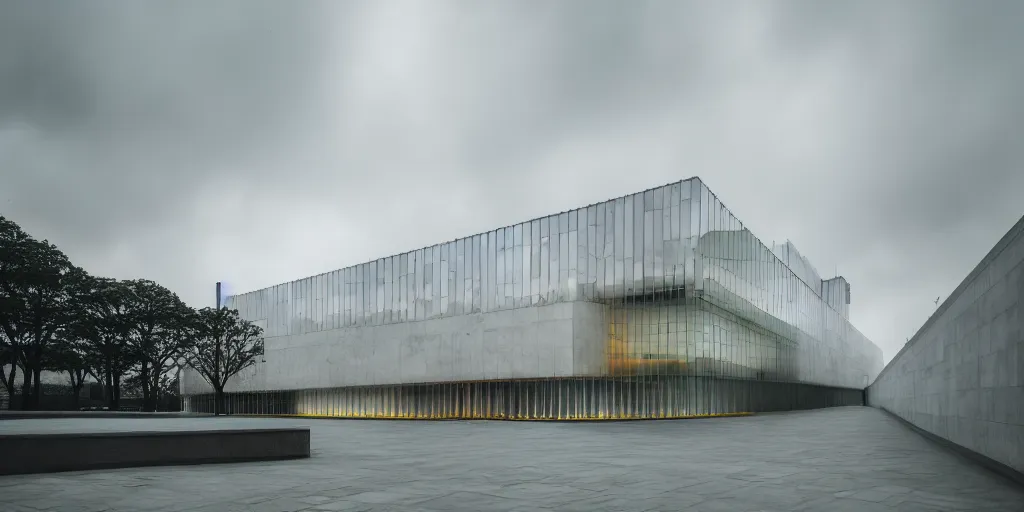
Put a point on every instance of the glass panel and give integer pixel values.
(477, 270)
(554, 271)
(459, 276)
(499, 273)
(517, 265)
(492, 279)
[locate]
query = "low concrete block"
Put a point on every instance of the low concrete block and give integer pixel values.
(42, 415)
(47, 453)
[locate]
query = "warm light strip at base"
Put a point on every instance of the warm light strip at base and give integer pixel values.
(595, 399)
(500, 418)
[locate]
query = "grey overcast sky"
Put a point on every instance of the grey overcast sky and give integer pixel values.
(259, 142)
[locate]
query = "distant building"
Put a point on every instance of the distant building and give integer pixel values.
(657, 304)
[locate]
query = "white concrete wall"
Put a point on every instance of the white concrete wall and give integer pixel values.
(590, 339)
(961, 377)
(527, 342)
(568, 339)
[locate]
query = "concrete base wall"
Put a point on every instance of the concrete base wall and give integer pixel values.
(590, 339)
(529, 342)
(961, 377)
(682, 336)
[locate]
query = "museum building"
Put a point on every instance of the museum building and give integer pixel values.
(658, 304)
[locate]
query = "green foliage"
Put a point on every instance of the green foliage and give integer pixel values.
(159, 330)
(37, 282)
(13, 254)
(70, 356)
(54, 316)
(104, 323)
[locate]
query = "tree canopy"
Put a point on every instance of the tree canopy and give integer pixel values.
(55, 316)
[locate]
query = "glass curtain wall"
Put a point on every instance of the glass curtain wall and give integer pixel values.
(700, 318)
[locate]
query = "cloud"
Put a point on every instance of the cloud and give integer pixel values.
(259, 142)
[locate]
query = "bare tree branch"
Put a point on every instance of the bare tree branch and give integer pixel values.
(223, 345)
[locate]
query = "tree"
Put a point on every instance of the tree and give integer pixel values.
(13, 240)
(71, 356)
(169, 391)
(105, 326)
(48, 307)
(8, 357)
(222, 345)
(36, 284)
(53, 315)
(157, 323)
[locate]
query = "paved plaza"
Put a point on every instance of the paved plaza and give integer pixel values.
(843, 459)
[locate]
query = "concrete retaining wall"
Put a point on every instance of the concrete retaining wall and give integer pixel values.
(961, 377)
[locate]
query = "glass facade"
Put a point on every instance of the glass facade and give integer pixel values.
(687, 313)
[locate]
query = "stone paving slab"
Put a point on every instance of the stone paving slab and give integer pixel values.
(842, 459)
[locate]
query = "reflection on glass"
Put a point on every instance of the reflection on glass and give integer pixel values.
(657, 304)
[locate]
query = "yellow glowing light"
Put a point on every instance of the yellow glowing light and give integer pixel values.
(600, 417)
